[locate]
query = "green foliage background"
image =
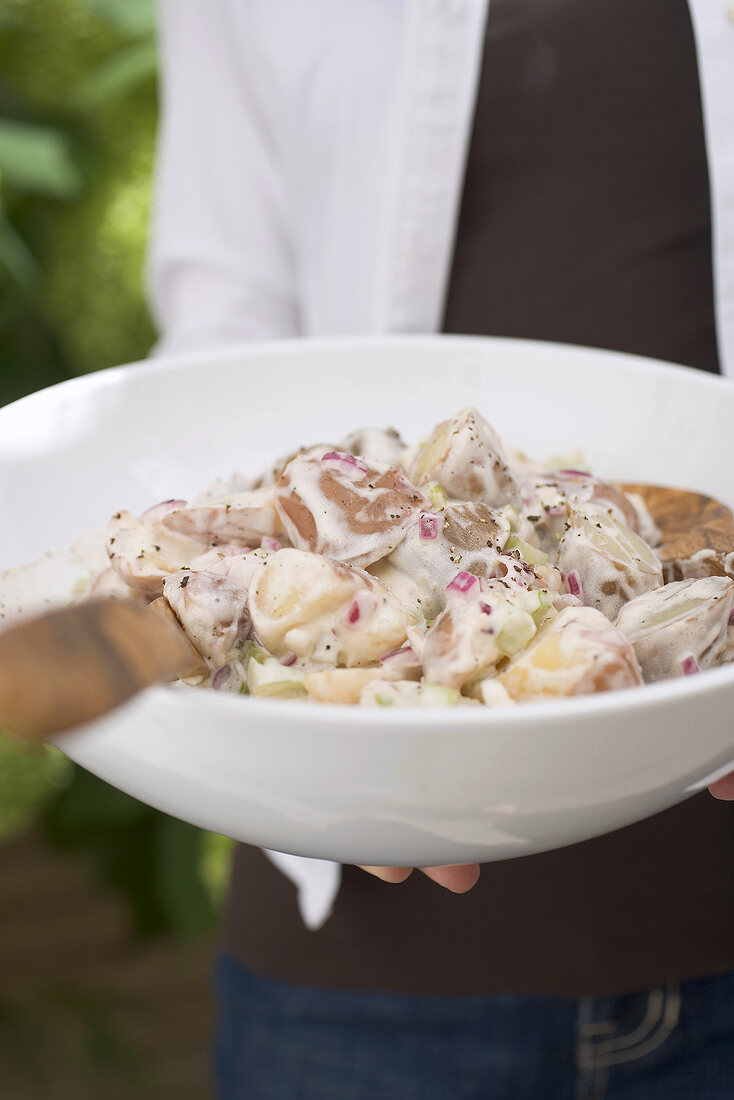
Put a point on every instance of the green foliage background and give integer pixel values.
(77, 124)
(78, 107)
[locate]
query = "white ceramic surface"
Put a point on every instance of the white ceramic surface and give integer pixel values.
(354, 784)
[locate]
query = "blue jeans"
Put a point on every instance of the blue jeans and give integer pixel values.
(281, 1041)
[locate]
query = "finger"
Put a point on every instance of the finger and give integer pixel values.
(389, 874)
(458, 879)
(724, 788)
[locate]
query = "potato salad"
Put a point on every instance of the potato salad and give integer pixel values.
(455, 572)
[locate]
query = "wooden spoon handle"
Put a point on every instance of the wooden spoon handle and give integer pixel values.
(69, 666)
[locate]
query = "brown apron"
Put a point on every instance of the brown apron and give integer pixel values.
(585, 218)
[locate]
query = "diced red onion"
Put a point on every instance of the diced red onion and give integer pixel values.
(362, 606)
(221, 677)
(406, 652)
(574, 583)
(429, 526)
(350, 460)
(288, 660)
(270, 544)
(484, 607)
(156, 513)
(573, 473)
(463, 583)
(689, 665)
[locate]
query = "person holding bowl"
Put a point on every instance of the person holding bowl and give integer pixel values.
(557, 171)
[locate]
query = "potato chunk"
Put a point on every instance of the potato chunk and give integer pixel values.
(679, 628)
(482, 624)
(346, 508)
(438, 545)
(244, 518)
(576, 653)
(212, 610)
(464, 456)
(606, 563)
(322, 610)
(144, 554)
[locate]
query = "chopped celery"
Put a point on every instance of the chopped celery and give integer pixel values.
(82, 586)
(438, 695)
(384, 700)
(280, 690)
(270, 678)
(515, 635)
(571, 460)
(531, 554)
(509, 513)
(254, 652)
(545, 602)
(436, 495)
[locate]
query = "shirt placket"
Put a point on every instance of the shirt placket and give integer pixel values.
(442, 57)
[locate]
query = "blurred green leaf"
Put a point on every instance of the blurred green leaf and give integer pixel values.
(129, 16)
(152, 859)
(118, 75)
(15, 256)
(183, 896)
(28, 779)
(37, 159)
(88, 806)
(77, 84)
(217, 853)
(8, 18)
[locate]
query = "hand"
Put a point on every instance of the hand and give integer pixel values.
(724, 788)
(458, 879)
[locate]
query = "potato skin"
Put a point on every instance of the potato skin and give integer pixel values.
(345, 508)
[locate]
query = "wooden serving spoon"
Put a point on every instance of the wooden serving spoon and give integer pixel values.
(70, 666)
(689, 522)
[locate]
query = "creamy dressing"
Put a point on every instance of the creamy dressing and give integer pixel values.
(431, 575)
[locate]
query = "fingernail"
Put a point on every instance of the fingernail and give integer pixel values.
(389, 874)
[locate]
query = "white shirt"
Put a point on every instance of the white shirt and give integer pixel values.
(310, 166)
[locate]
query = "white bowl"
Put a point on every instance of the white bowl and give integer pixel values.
(356, 784)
